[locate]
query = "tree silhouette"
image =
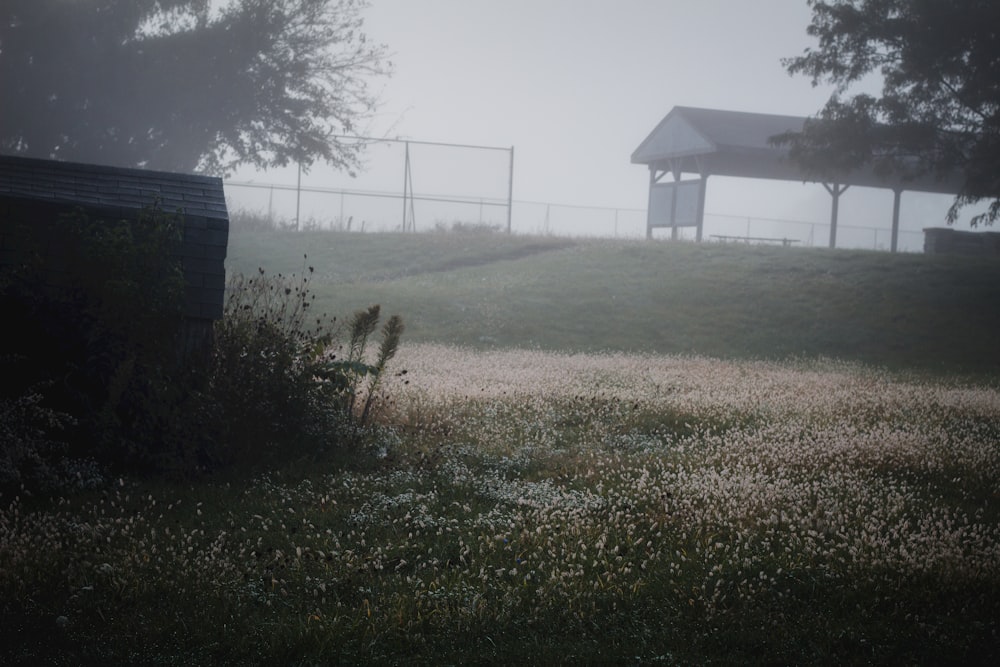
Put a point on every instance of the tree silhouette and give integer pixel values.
(939, 109)
(185, 85)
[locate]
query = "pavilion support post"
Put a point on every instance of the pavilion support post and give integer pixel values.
(701, 207)
(835, 191)
(673, 214)
(649, 203)
(833, 216)
(510, 190)
(676, 171)
(896, 194)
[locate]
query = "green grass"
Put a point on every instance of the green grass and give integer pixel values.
(808, 514)
(930, 313)
(543, 497)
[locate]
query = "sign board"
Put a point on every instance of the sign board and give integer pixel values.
(662, 211)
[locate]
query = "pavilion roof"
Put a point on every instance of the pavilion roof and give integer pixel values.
(738, 143)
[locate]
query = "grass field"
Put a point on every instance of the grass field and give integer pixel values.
(600, 452)
(492, 290)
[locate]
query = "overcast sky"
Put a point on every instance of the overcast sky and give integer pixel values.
(576, 85)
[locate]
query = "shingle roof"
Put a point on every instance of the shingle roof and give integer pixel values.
(28, 186)
(713, 130)
(96, 185)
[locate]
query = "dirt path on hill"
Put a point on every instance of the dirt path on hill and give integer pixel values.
(520, 252)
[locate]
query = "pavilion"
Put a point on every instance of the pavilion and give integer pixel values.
(709, 142)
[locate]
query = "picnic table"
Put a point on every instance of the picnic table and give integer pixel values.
(754, 239)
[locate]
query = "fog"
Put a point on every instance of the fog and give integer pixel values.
(574, 86)
(563, 91)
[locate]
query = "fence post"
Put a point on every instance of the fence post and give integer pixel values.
(298, 196)
(406, 183)
(510, 189)
(270, 206)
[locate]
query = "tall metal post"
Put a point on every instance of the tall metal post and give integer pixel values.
(270, 206)
(298, 196)
(510, 190)
(406, 183)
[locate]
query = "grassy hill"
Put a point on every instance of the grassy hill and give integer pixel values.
(910, 311)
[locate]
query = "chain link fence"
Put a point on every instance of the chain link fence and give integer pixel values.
(354, 209)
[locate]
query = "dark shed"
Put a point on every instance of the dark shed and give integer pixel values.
(38, 192)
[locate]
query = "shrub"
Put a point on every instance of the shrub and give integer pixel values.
(277, 381)
(467, 227)
(33, 455)
(98, 375)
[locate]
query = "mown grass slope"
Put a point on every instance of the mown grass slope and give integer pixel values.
(491, 290)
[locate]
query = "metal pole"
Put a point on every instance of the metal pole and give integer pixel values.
(270, 207)
(510, 190)
(298, 196)
(406, 182)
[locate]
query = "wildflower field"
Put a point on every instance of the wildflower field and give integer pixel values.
(530, 507)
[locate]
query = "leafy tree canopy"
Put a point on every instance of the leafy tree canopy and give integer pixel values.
(939, 110)
(185, 85)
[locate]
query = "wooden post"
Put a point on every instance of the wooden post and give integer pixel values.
(673, 210)
(676, 172)
(896, 194)
(701, 207)
(835, 191)
(649, 203)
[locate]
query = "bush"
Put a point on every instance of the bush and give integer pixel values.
(33, 455)
(277, 380)
(98, 376)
